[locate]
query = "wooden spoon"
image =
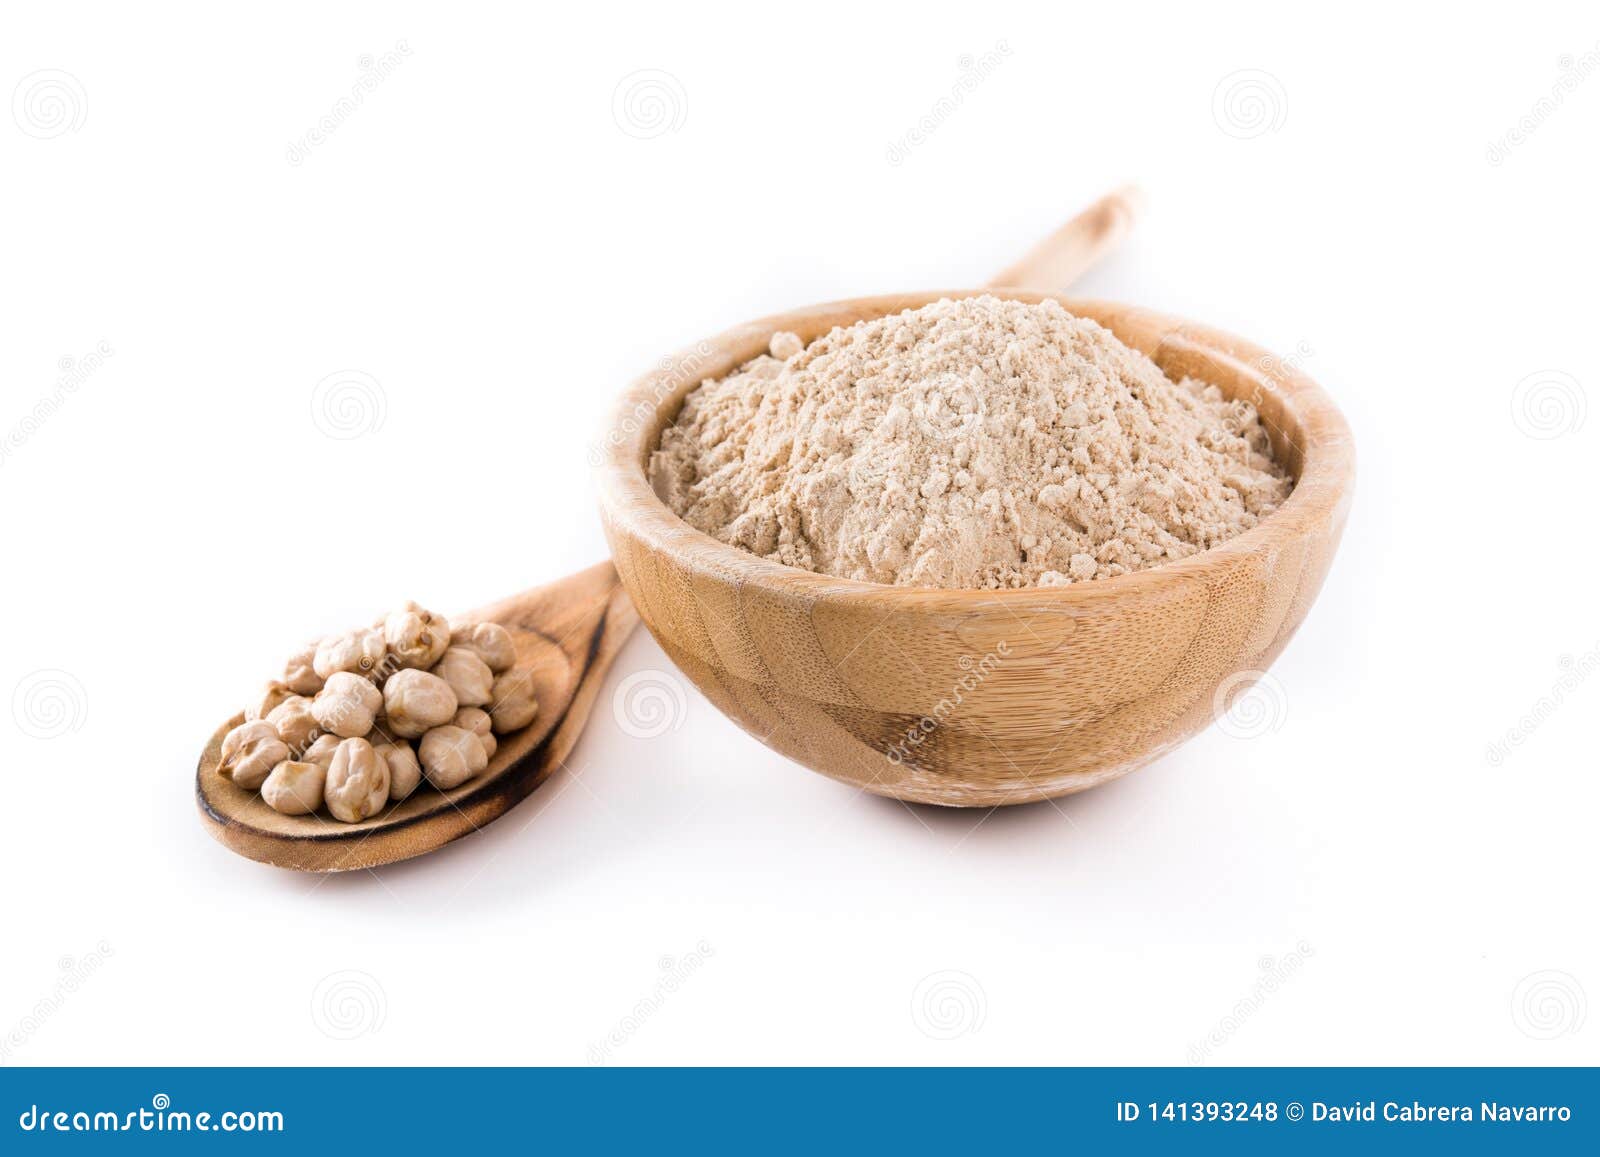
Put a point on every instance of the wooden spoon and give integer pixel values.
(566, 634)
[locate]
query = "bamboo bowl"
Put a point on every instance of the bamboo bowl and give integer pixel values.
(980, 698)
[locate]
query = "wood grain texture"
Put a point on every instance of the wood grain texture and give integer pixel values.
(566, 633)
(979, 698)
(1061, 258)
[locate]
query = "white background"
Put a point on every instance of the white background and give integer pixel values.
(502, 245)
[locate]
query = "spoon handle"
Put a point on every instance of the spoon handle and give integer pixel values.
(1062, 257)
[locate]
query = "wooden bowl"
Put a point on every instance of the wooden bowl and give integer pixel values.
(968, 697)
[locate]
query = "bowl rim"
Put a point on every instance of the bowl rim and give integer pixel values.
(1322, 488)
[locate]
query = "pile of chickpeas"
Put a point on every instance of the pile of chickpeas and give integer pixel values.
(337, 728)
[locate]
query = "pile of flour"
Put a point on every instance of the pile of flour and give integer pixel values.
(977, 443)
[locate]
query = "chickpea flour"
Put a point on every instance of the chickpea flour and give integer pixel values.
(978, 443)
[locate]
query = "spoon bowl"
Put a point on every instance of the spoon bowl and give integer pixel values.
(565, 633)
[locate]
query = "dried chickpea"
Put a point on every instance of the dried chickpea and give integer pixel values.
(451, 756)
(477, 721)
(358, 782)
(249, 753)
(491, 641)
(513, 705)
(416, 637)
(299, 673)
(468, 675)
(414, 701)
(405, 773)
(321, 750)
(266, 699)
(296, 725)
(295, 788)
(357, 651)
(346, 705)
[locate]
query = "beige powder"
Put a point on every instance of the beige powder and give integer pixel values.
(974, 443)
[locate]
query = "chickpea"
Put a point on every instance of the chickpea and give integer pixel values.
(476, 721)
(321, 750)
(249, 753)
(451, 756)
(491, 641)
(417, 638)
(358, 782)
(269, 697)
(414, 701)
(405, 773)
(358, 651)
(346, 705)
(296, 725)
(300, 674)
(295, 788)
(468, 675)
(513, 705)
